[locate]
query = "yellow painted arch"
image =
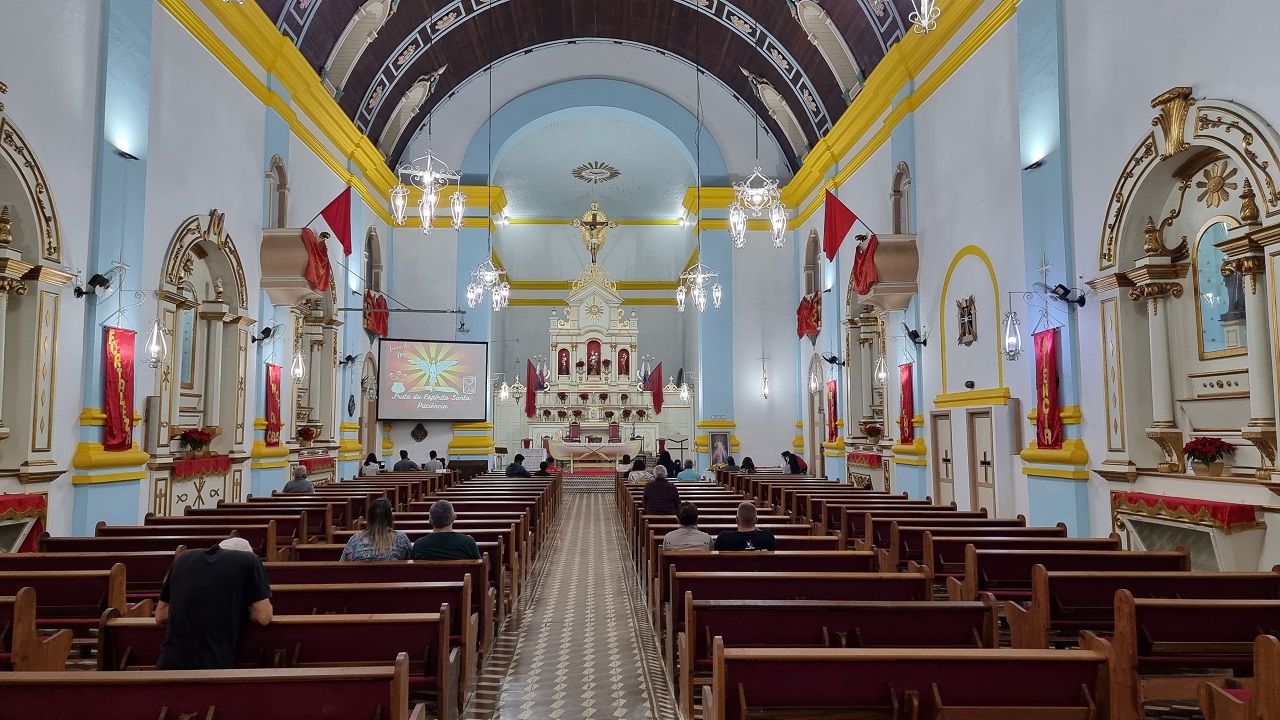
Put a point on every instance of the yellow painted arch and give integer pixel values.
(969, 251)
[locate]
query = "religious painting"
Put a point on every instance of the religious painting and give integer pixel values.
(719, 444)
(562, 362)
(624, 362)
(967, 321)
(593, 357)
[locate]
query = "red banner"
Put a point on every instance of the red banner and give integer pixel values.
(117, 389)
(1048, 417)
(832, 431)
(318, 273)
(273, 406)
(907, 414)
(26, 506)
(654, 385)
(376, 317)
(317, 464)
(531, 393)
(865, 273)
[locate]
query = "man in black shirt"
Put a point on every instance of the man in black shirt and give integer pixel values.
(443, 543)
(542, 470)
(746, 537)
(207, 598)
(517, 468)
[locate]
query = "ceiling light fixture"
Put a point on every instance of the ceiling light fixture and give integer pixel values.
(760, 195)
(699, 281)
(488, 278)
(432, 176)
(924, 15)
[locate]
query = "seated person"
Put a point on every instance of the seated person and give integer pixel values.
(661, 496)
(207, 599)
(371, 465)
(379, 540)
(665, 460)
(638, 473)
(404, 463)
(299, 483)
(748, 465)
(688, 474)
(551, 465)
(433, 464)
(517, 468)
(625, 464)
(542, 470)
(746, 537)
(687, 536)
(730, 465)
(443, 543)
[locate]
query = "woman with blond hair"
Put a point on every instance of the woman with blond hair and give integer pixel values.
(379, 540)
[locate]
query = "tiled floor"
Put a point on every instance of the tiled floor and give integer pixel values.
(581, 645)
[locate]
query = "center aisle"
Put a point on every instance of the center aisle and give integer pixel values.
(581, 645)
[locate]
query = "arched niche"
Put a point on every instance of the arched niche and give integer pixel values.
(31, 283)
(815, 385)
(901, 197)
(811, 263)
(1203, 163)
(370, 429)
(371, 265)
(277, 189)
(202, 304)
(359, 33)
(825, 36)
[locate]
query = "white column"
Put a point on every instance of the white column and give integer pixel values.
(1261, 386)
(1161, 374)
(867, 366)
(214, 384)
(5, 286)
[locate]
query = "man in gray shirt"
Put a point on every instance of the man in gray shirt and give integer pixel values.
(404, 463)
(434, 463)
(299, 483)
(687, 536)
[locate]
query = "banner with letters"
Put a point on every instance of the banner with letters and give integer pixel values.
(117, 387)
(272, 438)
(907, 413)
(1048, 415)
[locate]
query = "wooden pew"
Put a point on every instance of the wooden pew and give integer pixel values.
(328, 694)
(908, 683)
(21, 646)
(906, 539)
(1007, 573)
(825, 623)
(1064, 603)
(872, 528)
(141, 543)
(340, 512)
(312, 641)
(1236, 701)
(944, 556)
(74, 599)
(144, 572)
(263, 537)
(1163, 649)
(312, 525)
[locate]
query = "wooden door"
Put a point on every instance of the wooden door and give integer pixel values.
(944, 491)
(982, 466)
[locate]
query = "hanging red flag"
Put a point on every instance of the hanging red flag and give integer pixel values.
(832, 413)
(907, 412)
(838, 220)
(274, 424)
(1048, 417)
(864, 266)
(654, 385)
(376, 317)
(117, 387)
(338, 215)
(802, 317)
(318, 272)
(531, 393)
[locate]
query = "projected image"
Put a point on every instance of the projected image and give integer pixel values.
(427, 380)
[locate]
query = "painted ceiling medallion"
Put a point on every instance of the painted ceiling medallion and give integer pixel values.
(595, 172)
(1215, 184)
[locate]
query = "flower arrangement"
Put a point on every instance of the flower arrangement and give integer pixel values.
(580, 364)
(608, 414)
(306, 433)
(546, 413)
(626, 412)
(583, 396)
(606, 362)
(561, 414)
(873, 430)
(603, 396)
(1207, 450)
(563, 396)
(641, 413)
(577, 413)
(194, 439)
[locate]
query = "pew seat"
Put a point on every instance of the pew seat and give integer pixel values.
(22, 648)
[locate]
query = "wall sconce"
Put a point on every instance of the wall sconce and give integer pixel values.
(813, 382)
(881, 374)
(1012, 335)
(298, 369)
(156, 353)
(684, 392)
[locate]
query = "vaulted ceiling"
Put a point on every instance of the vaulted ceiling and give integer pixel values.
(768, 52)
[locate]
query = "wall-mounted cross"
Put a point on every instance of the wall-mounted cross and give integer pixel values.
(986, 467)
(946, 462)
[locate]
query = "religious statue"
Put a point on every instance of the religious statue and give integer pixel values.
(624, 363)
(593, 362)
(595, 228)
(562, 362)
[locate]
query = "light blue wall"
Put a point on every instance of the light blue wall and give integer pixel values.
(114, 503)
(1053, 500)
(715, 332)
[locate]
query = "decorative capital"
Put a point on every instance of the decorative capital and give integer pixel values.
(12, 285)
(6, 224)
(1170, 442)
(1173, 105)
(1155, 290)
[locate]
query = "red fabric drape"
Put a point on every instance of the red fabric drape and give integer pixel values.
(838, 219)
(866, 460)
(907, 413)
(117, 389)
(338, 215)
(26, 506)
(531, 394)
(201, 467)
(317, 464)
(802, 317)
(1224, 515)
(865, 273)
(654, 385)
(832, 415)
(376, 318)
(809, 316)
(318, 273)
(272, 438)
(1048, 417)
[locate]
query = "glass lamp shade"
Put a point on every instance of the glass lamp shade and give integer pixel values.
(457, 208)
(778, 219)
(156, 351)
(881, 371)
(1012, 335)
(700, 299)
(680, 294)
(298, 368)
(504, 392)
(764, 388)
(399, 202)
(738, 224)
(717, 294)
(684, 392)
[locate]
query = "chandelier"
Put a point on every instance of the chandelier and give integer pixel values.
(758, 195)
(924, 15)
(430, 175)
(696, 284)
(491, 279)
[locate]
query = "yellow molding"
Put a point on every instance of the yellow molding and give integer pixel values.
(837, 445)
(716, 424)
(913, 461)
(833, 453)
(1073, 452)
(1071, 415)
(348, 457)
(90, 455)
(917, 448)
(497, 261)
(489, 197)
(536, 302)
(350, 445)
(650, 301)
(349, 427)
(477, 452)
(799, 424)
(442, 222)
(917, 421)
(103, 478)
(260, 450)
(716, 198)
(797, 443)
(464, 426)
(969, 398)
(260, 423)
(541, 285)
(1060, 473)
(268, 464)
(567, 221)
(964, 252)
(98, 417)
(648, 285)
(723, 224)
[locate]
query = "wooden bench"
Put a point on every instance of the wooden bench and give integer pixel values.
(289, 524)
(263, 537)
(1260, 701)
(905, 683)
(872, 527)
(1163, 649)
(340, 512)
(21, 646)
(74, 599)
(1064, 603)
(141, 543)
(1007, 573)
(906, 540)
(144, 572)
(312, 641)
(830, 623)
(328, 694)
(945, 556)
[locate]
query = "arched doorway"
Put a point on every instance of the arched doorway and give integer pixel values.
(816, 392)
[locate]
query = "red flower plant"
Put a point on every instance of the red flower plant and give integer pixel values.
(306, 433)
(604, 396)
(194, 439)
(561, 414)
(562, 396)
(626, 412)
(577, 413)
(606, 362)
(640, 413)
(1207, 449)
(871, 429)
(584, 396)
(580, 364)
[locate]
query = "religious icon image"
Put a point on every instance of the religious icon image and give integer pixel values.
(595, 228)
(966, 316)
(719, 448)
(624, 362)
(593, 358)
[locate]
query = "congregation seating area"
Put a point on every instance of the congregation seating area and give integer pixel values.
(904, 608)
(388, 640)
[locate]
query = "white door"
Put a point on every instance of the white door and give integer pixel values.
(982, 464)
(944, 490)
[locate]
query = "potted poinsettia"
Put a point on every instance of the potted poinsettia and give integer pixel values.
(584, 396)
(641, 413)
(624, 398)
(546, 414)
(562, 396)
(581, 365)
(577, 414)
(603, 396)
(194, 440)
(626, 413)
(873, 431)
(608, 414)
(606, 362)
(1205, 454)
(306, 434)
(561, 414)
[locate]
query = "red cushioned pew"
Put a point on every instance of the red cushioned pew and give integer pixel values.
(21, 647)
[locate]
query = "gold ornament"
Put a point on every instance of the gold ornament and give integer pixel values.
(1216, 184)
(6, 226)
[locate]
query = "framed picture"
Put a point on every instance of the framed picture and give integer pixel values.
(719, 446)
(967, 320)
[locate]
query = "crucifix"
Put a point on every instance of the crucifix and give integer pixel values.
(986, 468)
(595, 227)
(946, 463)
